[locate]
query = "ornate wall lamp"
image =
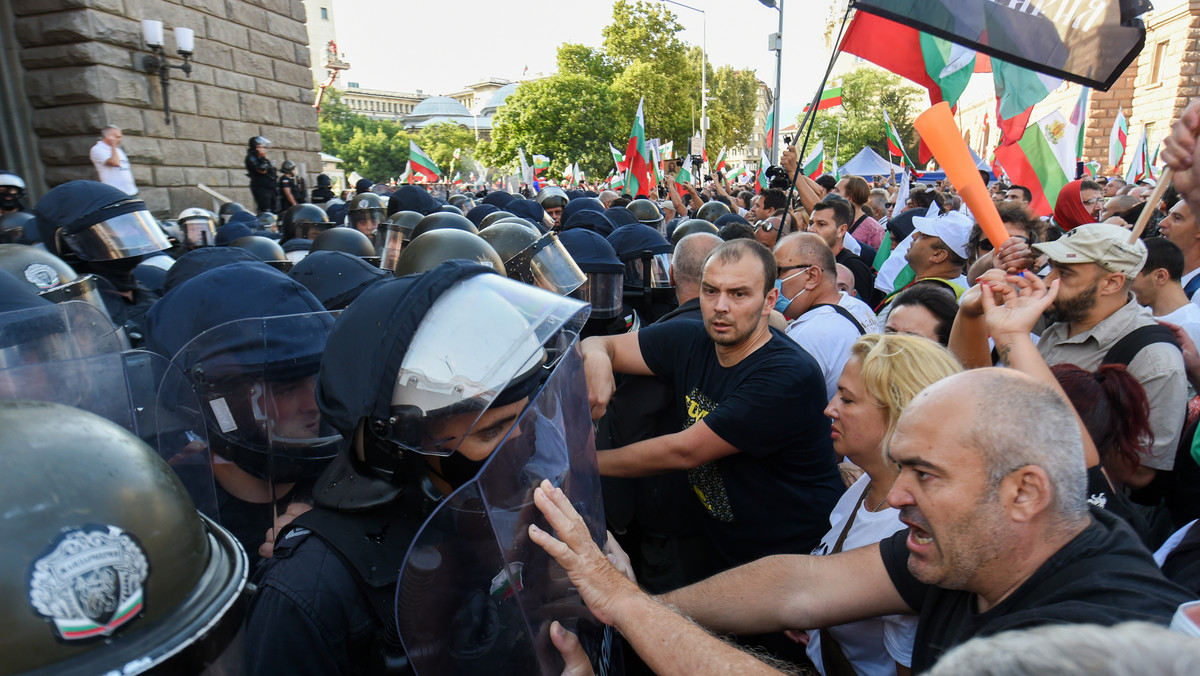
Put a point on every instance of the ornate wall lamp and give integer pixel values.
(156, 62)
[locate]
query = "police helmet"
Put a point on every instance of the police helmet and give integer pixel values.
(11, 180)
(462, 202)
(336, 278)
(296, 249)
(287, 167)
(691, 227)
(712, 210)
(268, 221)
(344, 239)
(493, 217)
(646, 212)
(429, 250)
(91, 221)
(303, 221)
(646, 254)
(552, 197)
(406, 221)
(451, 209)
(14, 227)
(198, 227)
(440, 220)
(534, 258)
(267, 250)
(143, 583)
(228, 209)
(366, 211)
(604, 270)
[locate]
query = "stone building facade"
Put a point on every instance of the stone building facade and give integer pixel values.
(73, 66)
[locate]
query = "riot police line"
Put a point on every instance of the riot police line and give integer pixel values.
(199, 383)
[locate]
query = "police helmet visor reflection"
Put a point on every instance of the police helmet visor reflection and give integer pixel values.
(198, 232)
(548, 264)
(603, 291)
(449, 371)
(660, 271)
(122, 236)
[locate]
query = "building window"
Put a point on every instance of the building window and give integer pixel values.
(1160, 54)
(324, 14)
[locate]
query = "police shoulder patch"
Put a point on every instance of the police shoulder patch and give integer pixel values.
(89, 582)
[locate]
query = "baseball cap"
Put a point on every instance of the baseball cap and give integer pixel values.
(952, 227)
(1104, 244)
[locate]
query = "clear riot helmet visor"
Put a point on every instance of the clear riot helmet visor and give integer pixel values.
(393, 242)
(603, 291)
(122, 236)
(486, 339)
(548, 264)
(198, 232)
(659, 276)
(295, 256)
(366, 220)
(69, 330)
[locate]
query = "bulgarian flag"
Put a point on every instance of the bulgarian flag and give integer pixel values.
(540, 163)
(814, 164)
(769, 128)
(894, 144)
(1154, 173)
(569, 177)
(831, 97)
(618, 159)
(422, 164)
(656, 170)
(617, 181)
(1079, 120)
(406, 177)
(720, 165)
(1139, 162)
(1092, 168)
(638, 181)
(1043, 160)
(739, 173)
(1117, 139)
(684, 175)
(762, 182)
(457, 178)
(667, 150)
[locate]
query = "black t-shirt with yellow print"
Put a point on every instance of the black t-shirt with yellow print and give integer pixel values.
(774, 496)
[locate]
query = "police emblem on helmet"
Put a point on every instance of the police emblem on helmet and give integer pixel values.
(42, 275)
(90, 582)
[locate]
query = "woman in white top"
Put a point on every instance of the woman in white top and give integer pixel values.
(883, 374)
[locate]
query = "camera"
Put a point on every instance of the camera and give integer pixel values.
(778, 177)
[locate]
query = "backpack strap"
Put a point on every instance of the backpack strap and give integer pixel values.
(845, 313)
(1192, 287)
(1128, 347)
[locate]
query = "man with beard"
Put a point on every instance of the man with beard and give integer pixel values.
(1095, 308)
(755, 442)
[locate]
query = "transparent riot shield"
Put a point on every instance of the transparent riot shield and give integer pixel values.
(248, 388)
(54, 333)
(475, 595)
(123, 387)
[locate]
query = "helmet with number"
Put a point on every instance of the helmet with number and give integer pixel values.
(198, 227)
(534, 258)
(303, 221)
(365, 212)
(15, 228)
(287, 167)
(431, 249)
(91, 221)
(647, 213)
(552, 197)
(268, 250)
(691, 227)
(228, 209)
(712, 210)
(344, 239)
(440, 220)
(125, 576)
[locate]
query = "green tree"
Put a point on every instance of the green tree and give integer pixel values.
(645, 31)
(731, 108)
(567, 117)
(866, 93)
(439, 141)
(582, 60)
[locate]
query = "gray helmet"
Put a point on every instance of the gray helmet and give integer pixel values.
(440, 220)
(344, 239)
(365, 211)
(266, 249)
(492, 218)
(712, 210)
(125, 576)
(431, 249)
(407, 221)
(287, 167)
(228, 209)
(647, 213)
(690, 227)
(552, 197)
(16, 227)
(198, 227)
(462, 202)
(365, 201)
(534, 258)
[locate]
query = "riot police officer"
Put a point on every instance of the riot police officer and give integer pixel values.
(262, 175)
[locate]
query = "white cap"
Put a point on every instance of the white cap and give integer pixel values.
(952, 227)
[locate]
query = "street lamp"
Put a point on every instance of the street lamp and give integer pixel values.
(703, 70)
(775, 44)
(156, 61)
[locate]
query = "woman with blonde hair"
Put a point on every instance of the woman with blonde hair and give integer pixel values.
(884, 373)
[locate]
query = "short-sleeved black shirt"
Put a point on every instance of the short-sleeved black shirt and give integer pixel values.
(1125, 585)
(773, 496)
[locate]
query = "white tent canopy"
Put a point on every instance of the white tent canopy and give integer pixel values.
(867, 163)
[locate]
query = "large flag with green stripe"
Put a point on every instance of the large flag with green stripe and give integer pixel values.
(1043, 160)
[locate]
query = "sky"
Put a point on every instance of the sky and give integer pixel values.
(440, 47)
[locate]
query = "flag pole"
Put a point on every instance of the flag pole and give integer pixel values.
(1151, 204)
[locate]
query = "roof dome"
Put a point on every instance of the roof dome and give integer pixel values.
(439, 105)
(499, 96)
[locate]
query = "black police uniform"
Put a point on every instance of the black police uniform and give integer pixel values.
(262, 182)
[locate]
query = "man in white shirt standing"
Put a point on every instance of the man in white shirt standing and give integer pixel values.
(111, 162)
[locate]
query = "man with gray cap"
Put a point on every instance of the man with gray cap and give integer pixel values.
(1095, 309)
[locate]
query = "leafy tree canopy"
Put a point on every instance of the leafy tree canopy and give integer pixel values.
(867, 92)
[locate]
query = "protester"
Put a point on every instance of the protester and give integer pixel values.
(111, 162)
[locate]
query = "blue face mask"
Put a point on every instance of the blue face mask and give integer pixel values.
(782, 303)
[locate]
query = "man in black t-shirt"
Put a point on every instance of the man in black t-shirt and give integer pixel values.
(755, 442)
(1000, 537)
